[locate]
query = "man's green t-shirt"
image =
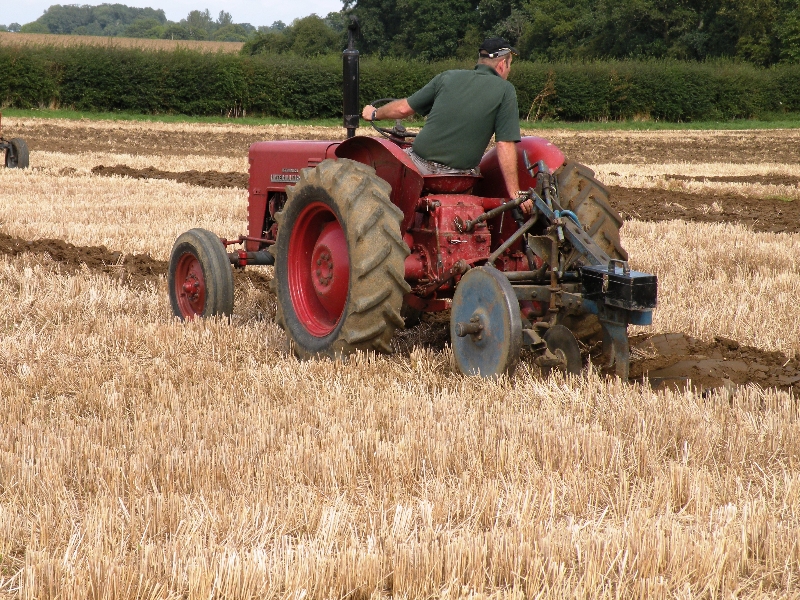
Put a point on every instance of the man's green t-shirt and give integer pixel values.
(469, 107)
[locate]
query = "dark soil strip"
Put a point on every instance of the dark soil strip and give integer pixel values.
(133, 269)
(71, 140)
(760, 214)
(588, 147)
(670, 358)
(210, 179)
(645, 204)
(751, 179)
(136, 270)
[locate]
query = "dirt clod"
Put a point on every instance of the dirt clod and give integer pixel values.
(134, 269)
(676, 358)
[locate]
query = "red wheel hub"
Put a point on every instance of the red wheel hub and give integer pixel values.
(190, 285)
(318, 269)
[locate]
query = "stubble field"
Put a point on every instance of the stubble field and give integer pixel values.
(46, 39)
(145, 458)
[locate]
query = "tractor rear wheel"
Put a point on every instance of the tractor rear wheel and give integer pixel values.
(340, 261)
(200, 276)
(584, 195)
(17, 157)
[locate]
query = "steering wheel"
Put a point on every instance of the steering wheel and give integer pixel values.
(396, 132)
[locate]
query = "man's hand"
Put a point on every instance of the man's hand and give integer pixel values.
(527, 206)
(368, 112)
(397, 109)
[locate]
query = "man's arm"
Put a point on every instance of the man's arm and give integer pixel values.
(397, 109)
(507, 156)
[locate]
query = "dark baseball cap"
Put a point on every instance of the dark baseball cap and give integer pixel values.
(495, 47)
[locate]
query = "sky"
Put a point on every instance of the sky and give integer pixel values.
(255, 12)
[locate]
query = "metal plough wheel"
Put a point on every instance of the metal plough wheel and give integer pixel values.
(563, 344)
(485, 324)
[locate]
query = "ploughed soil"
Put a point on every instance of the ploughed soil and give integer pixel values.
(676, 359)
(673, 359)
(136, 270)
(760, 214)
(741, 146)
(210, 179)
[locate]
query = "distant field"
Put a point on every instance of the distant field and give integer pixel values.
(42, 39)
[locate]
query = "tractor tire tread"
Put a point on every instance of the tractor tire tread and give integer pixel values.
(370, 263)
(368, 302)
(217, 271)
(582, 193)
(377, 253)
(22, 154)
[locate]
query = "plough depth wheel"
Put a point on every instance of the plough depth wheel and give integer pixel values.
(485, 324)
(561, 342)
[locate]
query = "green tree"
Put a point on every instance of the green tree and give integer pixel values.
(145, 28)
(34, 27)
(789, 36)
(432, 31)
(381, 23)
(224, 19)
(230, 33)
(557, 29)
(424, 29)
(104, 19)
(176, 32)
(199, 23)
(309, 36)
(754, 23)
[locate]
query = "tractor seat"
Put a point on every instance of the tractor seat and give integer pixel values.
(449, 184)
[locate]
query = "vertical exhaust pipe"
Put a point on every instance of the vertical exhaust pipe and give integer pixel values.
(351, 107)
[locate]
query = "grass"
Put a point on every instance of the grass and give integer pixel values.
(778, 121)
(187, 119)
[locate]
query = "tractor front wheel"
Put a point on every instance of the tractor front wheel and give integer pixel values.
(340, 261)
(200, 276)
(17, 156)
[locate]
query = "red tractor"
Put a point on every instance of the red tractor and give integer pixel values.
(363, 244)
(15, 150)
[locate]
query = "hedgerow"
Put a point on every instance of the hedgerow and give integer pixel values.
(185, 82)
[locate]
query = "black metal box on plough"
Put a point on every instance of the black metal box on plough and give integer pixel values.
(616, 285)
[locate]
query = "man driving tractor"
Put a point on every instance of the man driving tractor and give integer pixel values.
(464, 109)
